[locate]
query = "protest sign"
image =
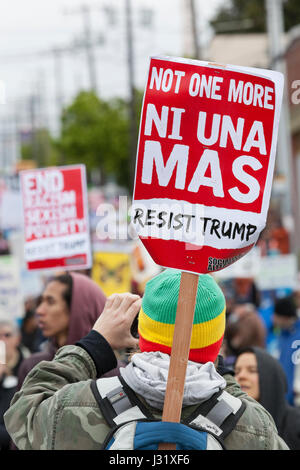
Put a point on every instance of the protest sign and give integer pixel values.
(111, 271)
(278, 272)
(205, 161)
(56, 218)
(11, 298)
(248, 266)
(142, 266)
(10, 210)
(203, 178)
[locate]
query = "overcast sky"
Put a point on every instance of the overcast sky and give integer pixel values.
(30, 27)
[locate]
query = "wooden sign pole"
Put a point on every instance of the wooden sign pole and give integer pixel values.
(180, 351)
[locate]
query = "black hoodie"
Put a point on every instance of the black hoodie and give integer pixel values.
(272, 390)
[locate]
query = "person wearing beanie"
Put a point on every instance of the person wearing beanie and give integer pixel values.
(287, 343)
(58, 405)
(158, 313)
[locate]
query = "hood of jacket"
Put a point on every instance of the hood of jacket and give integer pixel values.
(87, 303)
(272, 386)
(147, 375)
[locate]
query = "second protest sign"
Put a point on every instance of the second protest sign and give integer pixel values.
(56, 218)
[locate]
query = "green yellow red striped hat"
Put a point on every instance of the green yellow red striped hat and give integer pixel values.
(158, 313)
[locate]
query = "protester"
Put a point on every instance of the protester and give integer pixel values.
(8, 387)
(246, 291)
(32, 336)
(14, 354)
(4, 246)
(57, 407)
(262, 377)
(274, 239)
(69, 307)
(286, 344)
(244, 328)
(229, 294)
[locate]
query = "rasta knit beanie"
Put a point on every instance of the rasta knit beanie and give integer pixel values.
(158, 313)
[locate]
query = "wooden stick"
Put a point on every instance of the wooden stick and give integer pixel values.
(180, 351)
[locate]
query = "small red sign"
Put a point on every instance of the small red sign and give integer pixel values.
(56, 218)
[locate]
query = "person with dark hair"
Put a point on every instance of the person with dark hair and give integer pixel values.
(68, 308)
(8, 387)
(262, 377)
(31, 334)
(246, 291)
(14, 355)
(244, 328)
(287, 344)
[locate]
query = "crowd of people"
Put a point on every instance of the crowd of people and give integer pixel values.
(86, 336)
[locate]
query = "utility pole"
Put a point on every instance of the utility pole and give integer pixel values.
(191, 45)
(85, 11)
(132, 98)
(32, 100)
(194, 27)
(285, 166)
(16, 120)
(58, 78)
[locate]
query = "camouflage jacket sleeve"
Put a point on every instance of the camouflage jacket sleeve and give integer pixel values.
(50, 389)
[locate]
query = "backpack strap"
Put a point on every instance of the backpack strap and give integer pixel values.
(117, 402)
(218, 415)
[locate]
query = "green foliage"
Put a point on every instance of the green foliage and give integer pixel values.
(41, 149)
(235, 13)
(291, 13)
(96, 133)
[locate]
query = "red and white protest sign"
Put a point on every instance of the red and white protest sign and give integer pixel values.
(205, 161)
(56, 218)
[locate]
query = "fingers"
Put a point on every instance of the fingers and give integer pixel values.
(115, 325)
(128, 300)
(121, 301)
(133, 343)
(134, 309)
(115, 301)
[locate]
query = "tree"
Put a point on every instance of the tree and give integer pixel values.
(244, 16)
(96, 133)
(41, 149)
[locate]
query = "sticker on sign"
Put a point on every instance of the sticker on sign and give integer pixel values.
(205, 161)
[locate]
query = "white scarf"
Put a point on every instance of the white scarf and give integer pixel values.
(147, 375)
